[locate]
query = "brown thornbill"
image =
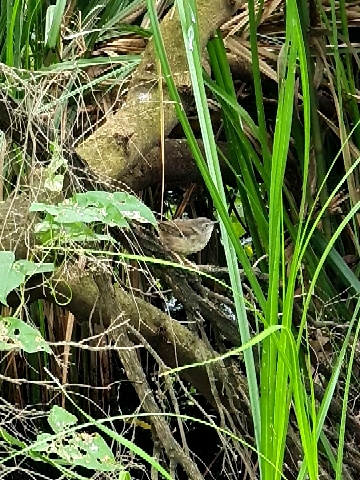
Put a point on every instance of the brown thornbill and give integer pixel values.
(185, 237)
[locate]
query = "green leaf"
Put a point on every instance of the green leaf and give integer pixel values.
(43, 446)
(54, 16)
(89, 451)
(14, 273)
(43, 207)
(18, 335)
(6, 262)
(67, 219)
(77, 448)
(60, 419)
(128, 205)
(133, 208)
(73, 214)
(124, 476)
(28, 268)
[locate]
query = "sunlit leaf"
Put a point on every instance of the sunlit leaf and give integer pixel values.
(18, 335)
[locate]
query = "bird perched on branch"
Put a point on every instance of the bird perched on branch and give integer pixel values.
(185, 237)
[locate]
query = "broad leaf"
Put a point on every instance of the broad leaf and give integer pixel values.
(18, 335)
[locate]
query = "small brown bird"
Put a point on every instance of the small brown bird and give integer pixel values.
(185, 237)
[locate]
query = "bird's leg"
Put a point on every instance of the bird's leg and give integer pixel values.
(179, 258)
(184, 261)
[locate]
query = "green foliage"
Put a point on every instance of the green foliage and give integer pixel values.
(76, 448)
(69, 219)
(18, 335)
(54, 18)
(14, 273)
(273, 217)
(31, 34)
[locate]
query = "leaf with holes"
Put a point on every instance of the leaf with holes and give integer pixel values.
(60, 419)
(77, 448)
(18, 335)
